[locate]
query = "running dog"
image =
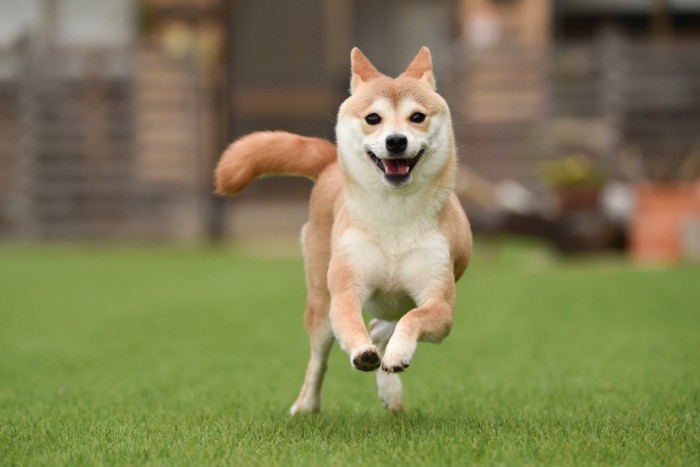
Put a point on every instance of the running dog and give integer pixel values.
(386, 233)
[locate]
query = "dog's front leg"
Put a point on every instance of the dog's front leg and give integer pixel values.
(430, 322)
(346, 316)
(388, 385)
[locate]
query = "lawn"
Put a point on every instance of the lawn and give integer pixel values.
(160, 356)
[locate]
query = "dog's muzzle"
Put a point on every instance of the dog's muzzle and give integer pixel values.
(396, 170)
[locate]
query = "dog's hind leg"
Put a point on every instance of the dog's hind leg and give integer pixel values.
(316, 317)
(388, 385)
(321, 337)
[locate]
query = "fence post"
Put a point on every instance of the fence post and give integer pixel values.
(216, 219)
(28, 102)
(612, 83)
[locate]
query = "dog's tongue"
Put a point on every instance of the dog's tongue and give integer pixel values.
(395, 166)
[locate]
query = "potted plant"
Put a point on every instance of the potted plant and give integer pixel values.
(667, 205)
(661, 213)
(575, 179)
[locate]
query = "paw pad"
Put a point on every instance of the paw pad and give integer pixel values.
(395, 368)
(367, 361)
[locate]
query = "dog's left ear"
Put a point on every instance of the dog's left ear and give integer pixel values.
(421, 68)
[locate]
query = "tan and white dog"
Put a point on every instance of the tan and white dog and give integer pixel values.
(386, 233)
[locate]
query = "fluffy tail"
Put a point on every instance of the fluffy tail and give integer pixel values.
(271, 153)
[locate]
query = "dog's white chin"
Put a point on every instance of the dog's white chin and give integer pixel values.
(397, 182)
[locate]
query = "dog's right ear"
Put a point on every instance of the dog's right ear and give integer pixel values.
(421, 68)
(362, 70)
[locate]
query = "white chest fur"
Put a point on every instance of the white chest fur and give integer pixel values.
(396, 272)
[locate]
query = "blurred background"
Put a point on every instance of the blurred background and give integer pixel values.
(578, 121)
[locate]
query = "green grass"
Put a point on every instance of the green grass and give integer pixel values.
(171, 357)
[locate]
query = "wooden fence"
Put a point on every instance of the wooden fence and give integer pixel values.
(610, 99)
(106, 143)
(98, 143)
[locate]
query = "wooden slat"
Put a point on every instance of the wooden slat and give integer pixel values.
(99, 141)
(650, 94)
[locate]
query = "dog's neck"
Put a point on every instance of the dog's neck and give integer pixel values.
(387, 210)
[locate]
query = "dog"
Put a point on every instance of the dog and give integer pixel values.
(386, 233)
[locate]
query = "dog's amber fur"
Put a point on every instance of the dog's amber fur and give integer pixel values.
(358, 226)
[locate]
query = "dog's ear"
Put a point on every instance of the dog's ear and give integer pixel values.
(421, 67)
(362, 69)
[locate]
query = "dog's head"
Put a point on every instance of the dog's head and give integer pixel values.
(394, 132)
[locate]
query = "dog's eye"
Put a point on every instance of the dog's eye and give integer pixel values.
(373, 119)
(417, 117)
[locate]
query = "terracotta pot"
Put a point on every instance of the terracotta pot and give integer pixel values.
(656, 227)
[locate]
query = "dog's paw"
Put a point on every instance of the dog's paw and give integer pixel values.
(397, 358)
(396, 367)
(308, 402)
(390, 391)
(367, 359)
(304, 407)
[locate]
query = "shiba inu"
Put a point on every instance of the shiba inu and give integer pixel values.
(386, 233)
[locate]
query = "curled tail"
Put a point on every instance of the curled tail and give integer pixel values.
(271, 153)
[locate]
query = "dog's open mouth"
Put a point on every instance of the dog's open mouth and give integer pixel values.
(396, 170)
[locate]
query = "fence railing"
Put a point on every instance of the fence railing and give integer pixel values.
(106, 143)
(98, 143)
(609, 98)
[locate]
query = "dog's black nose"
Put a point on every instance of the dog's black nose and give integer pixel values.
(396, 143)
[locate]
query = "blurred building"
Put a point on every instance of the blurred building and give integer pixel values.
(113, 113)
(597, 92)
(99, 130)
(541, 79)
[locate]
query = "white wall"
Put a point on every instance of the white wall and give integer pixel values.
(17, 17)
